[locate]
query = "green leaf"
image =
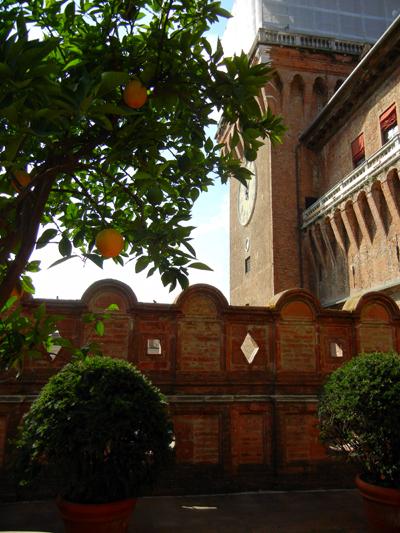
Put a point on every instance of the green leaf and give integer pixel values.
(33, 266)
(200, 266)
(223, 13)
(96, 259)
(69, 13)
(62, 260)
(99, 327)
(154, 195)
(189, 247)
(110, 80)
(26, 285)
(65, 246)
(5, 71)
(112, 109)
(142, 263)
(73, 63)
(35, 51)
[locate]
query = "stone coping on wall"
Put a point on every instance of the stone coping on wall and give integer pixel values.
(194, 398)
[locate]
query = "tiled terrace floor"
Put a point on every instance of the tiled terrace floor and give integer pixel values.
(335, 511)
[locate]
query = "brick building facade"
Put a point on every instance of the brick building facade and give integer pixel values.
(313, 220)
(242, 382)
(351, 234)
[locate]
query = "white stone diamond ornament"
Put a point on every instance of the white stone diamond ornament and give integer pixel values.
(249, 348)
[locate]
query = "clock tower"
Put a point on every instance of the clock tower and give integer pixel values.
(312, 51)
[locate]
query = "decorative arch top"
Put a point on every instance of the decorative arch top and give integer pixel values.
(295, 304)
(202, 299)
(104, 292)
(373, 306)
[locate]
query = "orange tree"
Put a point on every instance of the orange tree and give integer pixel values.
(94, 161)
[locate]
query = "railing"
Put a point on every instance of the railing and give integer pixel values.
(387, 155)
(310, 41)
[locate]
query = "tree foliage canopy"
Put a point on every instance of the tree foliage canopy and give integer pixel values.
(93, 162)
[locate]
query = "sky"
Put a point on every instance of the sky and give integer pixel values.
(210, 240)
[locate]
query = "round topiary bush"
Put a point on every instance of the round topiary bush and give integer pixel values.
(101, 427)
(359, 413)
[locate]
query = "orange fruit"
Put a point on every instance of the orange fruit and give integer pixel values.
(17, 292)
(109, 242)
(21, 180)
(135, 94)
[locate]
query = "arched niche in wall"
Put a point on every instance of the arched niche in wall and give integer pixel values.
(296, 100)
(296, 330)
(376, 314)
(338, 84)
(274, 93)
(200, 329)
(320, 95)
(105, 292)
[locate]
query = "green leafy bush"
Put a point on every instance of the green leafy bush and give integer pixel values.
(101, 427)
(359, 413)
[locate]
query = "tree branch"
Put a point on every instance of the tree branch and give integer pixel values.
(28, 238)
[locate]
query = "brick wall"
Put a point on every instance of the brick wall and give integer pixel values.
(240, 423)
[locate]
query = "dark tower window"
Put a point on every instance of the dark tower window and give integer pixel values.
(247, 265)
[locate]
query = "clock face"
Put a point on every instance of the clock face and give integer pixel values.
(247, 196)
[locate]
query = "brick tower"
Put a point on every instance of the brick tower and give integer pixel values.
(313, 50)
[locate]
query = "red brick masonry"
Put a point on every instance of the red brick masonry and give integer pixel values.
(238, 424)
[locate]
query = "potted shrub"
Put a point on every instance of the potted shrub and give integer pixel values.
(103, 430)
(359, 413)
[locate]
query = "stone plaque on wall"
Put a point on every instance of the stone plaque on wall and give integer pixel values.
(297, 347)
(197, 438)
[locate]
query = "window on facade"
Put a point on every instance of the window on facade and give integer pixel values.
(388, 124)
(358, 150)
(247, 265)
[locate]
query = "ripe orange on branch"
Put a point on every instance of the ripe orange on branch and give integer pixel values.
(21, 180)
(17, 291)
(135, 94)
(109, 242)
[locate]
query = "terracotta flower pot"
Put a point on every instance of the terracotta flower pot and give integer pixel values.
(96, 518)
(382, 506)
